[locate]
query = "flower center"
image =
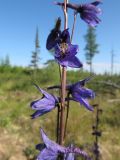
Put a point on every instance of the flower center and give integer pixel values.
(63, 47)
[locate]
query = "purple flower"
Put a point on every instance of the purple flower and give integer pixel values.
(65, 51)
(81, 94)
(88, 12)
(52, 150)
(44, 105)
(53, 37)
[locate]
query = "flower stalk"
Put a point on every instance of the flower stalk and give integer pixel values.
(73, 27)
(63, 83)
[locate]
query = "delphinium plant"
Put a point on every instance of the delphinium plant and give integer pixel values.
(60, 42)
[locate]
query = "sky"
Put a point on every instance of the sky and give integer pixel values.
(19, 19)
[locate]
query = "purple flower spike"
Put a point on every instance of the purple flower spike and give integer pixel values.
(81, 94)
(44, 105)
(88, 12)
(52, 150)
(65, 52)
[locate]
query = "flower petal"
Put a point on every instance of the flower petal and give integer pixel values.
(89, 12)
(54, 36)
(70, 156)
(74, 62)
(47, 154)
(51, 144)
(96, 2)
(69, 58)
(81, 83)
(36, 114)
(78, 91)
(41, 103)
(42, 110)
(91, 20)
(47, 95)
(72, 50)
(85, 103)
(40, 146)
(53, 39)
(65, 36)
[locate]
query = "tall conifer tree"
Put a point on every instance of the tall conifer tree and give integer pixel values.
(35, 54)
(91, 47)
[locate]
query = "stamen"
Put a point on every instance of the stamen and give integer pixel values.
(63, 47)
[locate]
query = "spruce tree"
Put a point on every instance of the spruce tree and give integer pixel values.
(35, 54)
(7, 61)
(91, 47)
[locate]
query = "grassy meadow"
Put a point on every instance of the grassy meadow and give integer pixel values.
(19, 134)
